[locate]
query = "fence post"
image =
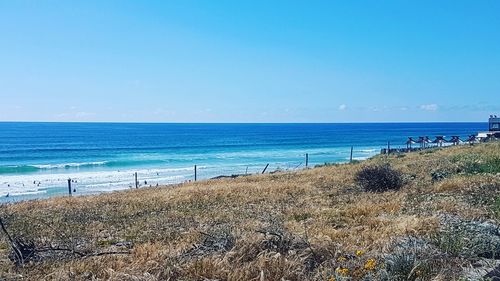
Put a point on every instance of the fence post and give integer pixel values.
(263, 171)
(195, 173)
(350, 158)
(307, 159)
(136, 182)
(388, 147)
(69, 186)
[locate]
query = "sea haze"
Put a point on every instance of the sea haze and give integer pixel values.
(36, 159)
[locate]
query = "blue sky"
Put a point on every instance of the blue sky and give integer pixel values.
(249, 61)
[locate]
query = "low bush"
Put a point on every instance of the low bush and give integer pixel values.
(477, 163)
(496, 208)
(379, 178)
(411, 259)
(468, 239)
(488, 165)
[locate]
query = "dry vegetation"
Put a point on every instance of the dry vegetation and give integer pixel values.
(315, 224)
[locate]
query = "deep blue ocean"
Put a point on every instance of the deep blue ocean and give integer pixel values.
(36, 159)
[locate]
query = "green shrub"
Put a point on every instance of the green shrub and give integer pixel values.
(453, 242)
(379, 178)
(411, 259)
(477, 163)
(496, 208)
(490, 165)
(468, 239)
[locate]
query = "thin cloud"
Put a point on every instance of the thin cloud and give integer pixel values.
(84, 114)
(429, 107)
(342, 107)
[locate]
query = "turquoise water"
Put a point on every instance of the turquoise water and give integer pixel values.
(36, 159)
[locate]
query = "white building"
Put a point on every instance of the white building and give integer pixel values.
(493, 129)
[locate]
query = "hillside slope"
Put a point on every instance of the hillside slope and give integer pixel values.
(314, 224)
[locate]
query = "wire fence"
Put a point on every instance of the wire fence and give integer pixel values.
(83, 182)
(91, 182)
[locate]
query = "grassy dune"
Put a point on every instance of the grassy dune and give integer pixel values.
(315, 224)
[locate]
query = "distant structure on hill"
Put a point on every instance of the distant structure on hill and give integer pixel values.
(493, 134)
(493, 129)
(494, 122)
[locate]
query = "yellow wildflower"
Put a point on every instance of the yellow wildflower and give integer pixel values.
(370, 264)
(332, 278)
(359, 253)
(342, 271)
(341, 259)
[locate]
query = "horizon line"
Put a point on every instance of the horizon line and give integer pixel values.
(152, 122)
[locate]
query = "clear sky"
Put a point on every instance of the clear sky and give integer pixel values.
(249, 61)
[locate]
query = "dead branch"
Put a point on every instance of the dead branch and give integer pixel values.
(82, 255)
(25, 250)
(13, 244)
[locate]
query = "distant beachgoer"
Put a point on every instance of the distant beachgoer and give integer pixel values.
(145, 182)
(8, 185)
(8, 194)
(74, 190)
(34, 182)
(157, 173)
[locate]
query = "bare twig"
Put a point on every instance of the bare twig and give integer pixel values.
(82, 255)
(13, 244)
(270, 233)
(18, 247)
(306, 238)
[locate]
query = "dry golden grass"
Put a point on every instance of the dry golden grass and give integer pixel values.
(321, 214)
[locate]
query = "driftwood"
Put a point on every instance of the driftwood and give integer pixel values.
(23, 250)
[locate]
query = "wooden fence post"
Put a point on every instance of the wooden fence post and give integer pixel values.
(136, 182)
(307, 159)
(388, 147)
(195, 173)
(350, 158)
(69, 186)
(263, 171)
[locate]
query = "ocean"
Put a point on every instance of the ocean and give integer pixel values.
(37, 159)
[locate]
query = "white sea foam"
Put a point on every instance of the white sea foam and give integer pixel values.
(90, 181)
(368, 150)
(99, 179)
(68, 165)
(22, 193)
